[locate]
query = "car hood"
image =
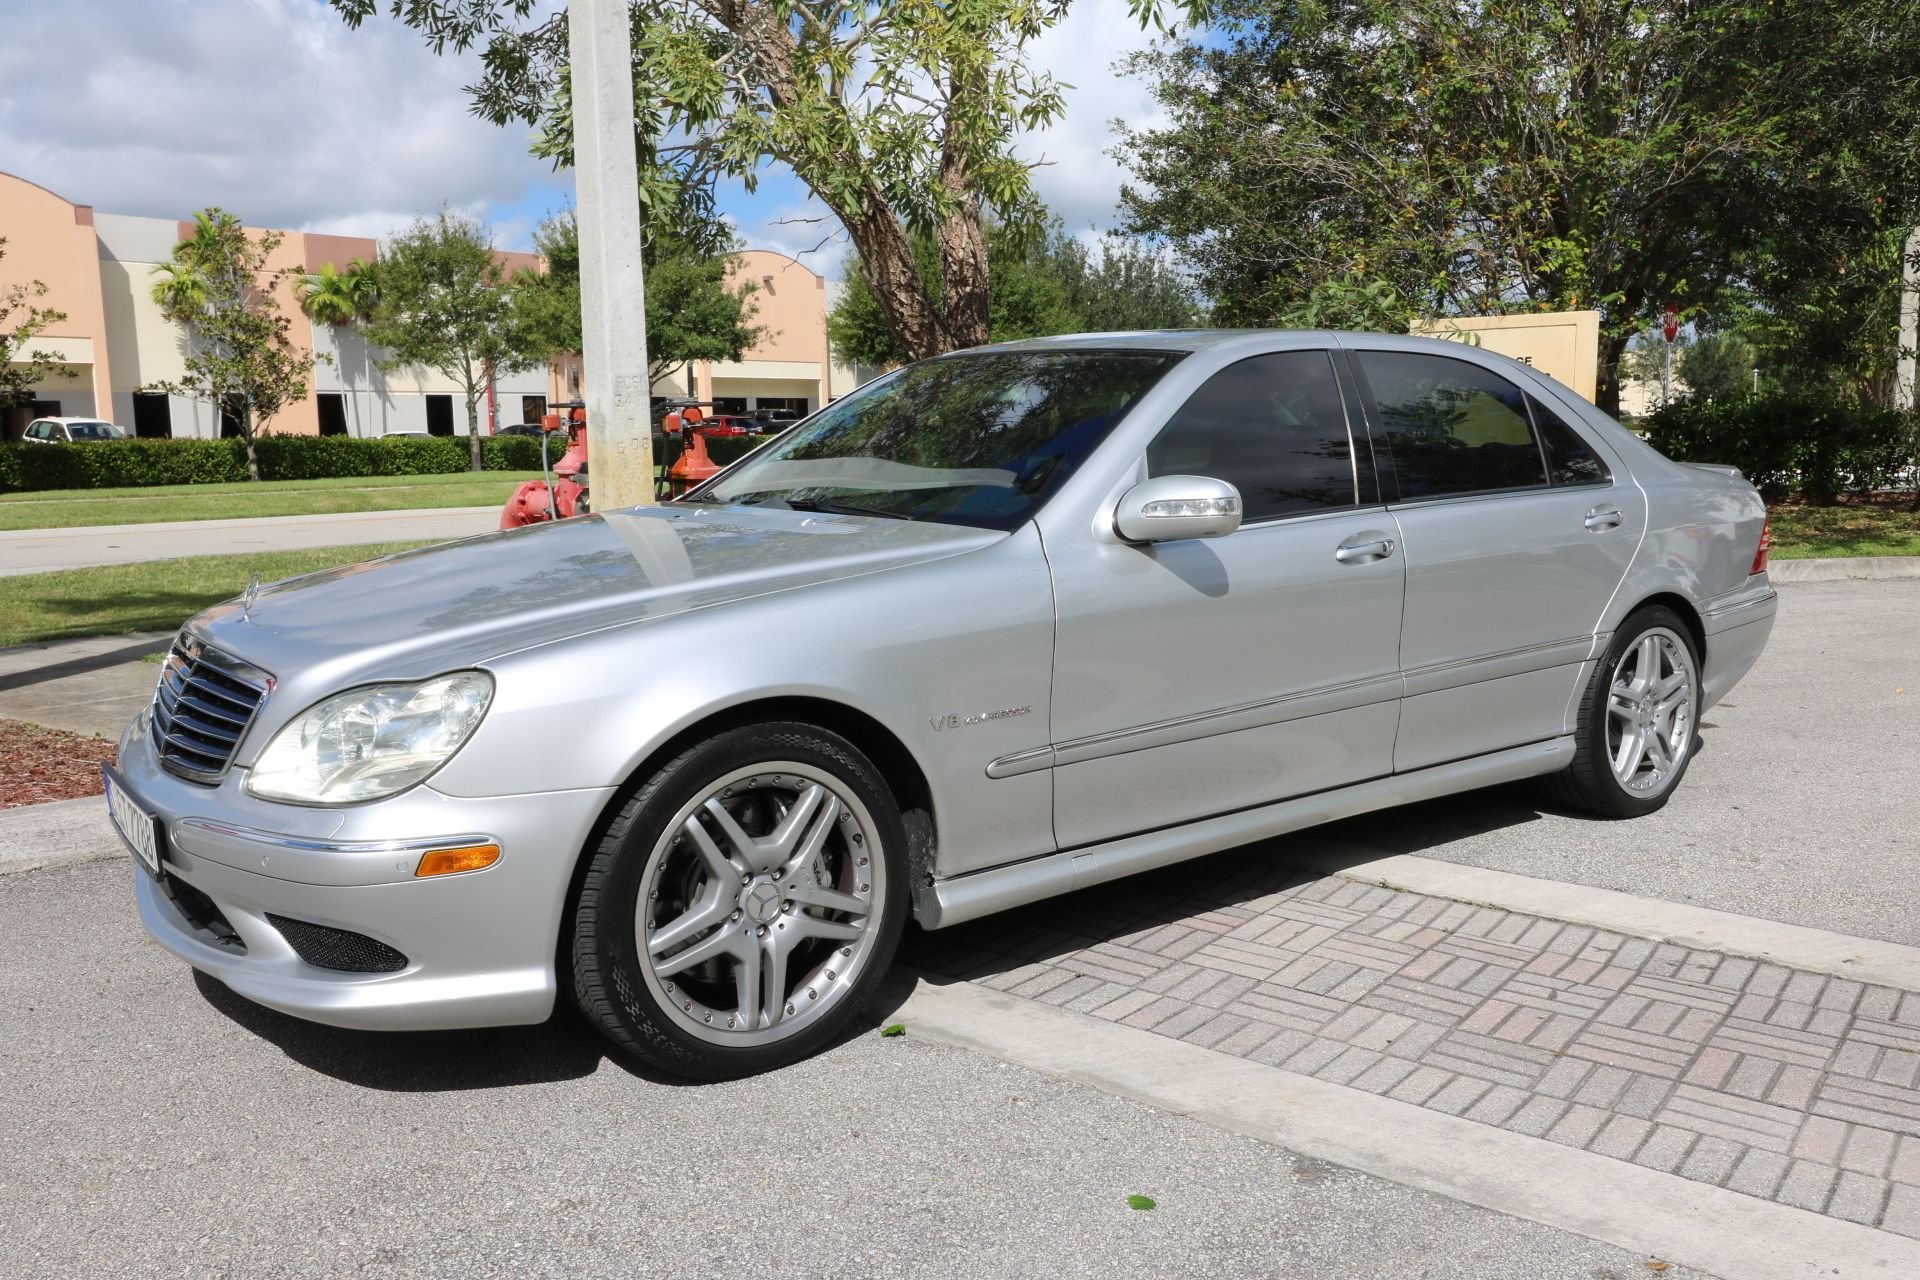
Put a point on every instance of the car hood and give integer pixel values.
(460, 603)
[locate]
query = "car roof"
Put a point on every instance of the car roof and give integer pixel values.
(1154, 339)
(71, 421)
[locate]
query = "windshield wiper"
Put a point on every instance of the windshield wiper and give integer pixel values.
(833, 508)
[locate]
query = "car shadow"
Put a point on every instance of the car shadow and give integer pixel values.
(1237, 877)
(566, 1047)
(131, 652)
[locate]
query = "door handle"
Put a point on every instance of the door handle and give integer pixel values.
(1604, 518)
(1361, 552)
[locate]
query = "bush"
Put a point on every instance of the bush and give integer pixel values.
(1813, 444)
(140, 463)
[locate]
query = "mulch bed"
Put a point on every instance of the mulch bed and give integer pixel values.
(38, 765)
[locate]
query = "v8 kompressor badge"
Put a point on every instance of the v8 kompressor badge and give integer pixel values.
(955, 720)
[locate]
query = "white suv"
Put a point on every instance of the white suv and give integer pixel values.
(71, 431)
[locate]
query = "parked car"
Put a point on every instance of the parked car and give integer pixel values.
(71, 431)
(406, 435)
(1051, 613)
(526, 429)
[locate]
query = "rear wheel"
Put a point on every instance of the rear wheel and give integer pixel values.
(744, 904)
(1637, 720)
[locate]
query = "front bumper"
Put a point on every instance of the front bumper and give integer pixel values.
(478, 947)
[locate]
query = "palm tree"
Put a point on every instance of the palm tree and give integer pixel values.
(337, 298)
(182, 286)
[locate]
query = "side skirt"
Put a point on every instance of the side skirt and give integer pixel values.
(968, 897)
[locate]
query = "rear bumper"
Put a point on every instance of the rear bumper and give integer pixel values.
(478, 947)
(1737, 626)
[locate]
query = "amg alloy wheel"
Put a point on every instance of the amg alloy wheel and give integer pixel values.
(1638, 718)
(745, 903)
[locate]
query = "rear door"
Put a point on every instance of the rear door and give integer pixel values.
(1517, 534)
(1196, 677)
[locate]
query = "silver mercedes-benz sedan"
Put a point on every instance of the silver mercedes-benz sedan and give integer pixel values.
(996, 626)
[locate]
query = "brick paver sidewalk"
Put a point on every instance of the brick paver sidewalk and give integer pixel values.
(1789, 1086)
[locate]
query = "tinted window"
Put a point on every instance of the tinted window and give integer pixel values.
(978, 440)
(1570, 460)
(1274, 427)
(1452, 426)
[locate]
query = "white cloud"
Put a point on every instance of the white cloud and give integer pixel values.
(1082, 182)
(273, 109)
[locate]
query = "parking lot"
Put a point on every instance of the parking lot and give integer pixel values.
(156, 1124)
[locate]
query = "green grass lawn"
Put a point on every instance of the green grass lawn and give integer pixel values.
(1873, 527)
(67, 508)
(154, 595)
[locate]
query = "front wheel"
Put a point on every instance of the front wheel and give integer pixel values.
(1637, 721)
(744, 904)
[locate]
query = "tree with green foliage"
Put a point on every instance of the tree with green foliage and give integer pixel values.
(1039, 287)
(693, 311)
(900, 115)
(23, 367)
(1717, 367)
(444, 304)
(338, 298)
(1502, 156)
(218, 288)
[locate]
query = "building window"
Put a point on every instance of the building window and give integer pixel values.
(533, 408)
(439, 415)
(783, 408)
(152, 415)
(229, 423)
(736, 405)
(333, 413)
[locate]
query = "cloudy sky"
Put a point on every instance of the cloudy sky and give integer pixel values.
(275, 110)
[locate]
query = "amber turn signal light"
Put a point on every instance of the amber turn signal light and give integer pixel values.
(446, 862)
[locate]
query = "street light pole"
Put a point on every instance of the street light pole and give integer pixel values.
(613, 311)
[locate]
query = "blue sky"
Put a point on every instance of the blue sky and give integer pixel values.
(275, 110)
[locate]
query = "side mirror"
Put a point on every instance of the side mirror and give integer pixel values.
(1168, 508)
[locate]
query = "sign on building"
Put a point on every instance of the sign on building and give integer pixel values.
(1564, 345)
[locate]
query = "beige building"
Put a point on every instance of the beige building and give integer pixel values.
(114, 347)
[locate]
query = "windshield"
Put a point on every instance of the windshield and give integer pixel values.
(95, 431)
(979, 440)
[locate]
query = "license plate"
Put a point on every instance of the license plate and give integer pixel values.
(136, 826)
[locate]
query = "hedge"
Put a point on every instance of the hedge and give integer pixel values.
(139, 463)
(1812, 444)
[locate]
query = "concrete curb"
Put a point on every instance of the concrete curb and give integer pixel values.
(1795, 946)
(1843, 568)
(64, 833)
(1675, 1219)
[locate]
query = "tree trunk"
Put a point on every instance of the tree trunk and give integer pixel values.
(473, 430)
(246, 434)
(1607, 393)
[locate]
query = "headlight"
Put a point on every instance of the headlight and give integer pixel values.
(371, 742)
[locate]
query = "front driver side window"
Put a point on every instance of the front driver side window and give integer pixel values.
(1274, 427)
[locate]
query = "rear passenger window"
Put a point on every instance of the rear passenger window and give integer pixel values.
(1274, 427)
(1570, 460)
(1452, 426)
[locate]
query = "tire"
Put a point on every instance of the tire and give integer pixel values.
(1597, 781)
(772, 913)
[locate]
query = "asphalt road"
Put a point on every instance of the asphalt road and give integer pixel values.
(47, 550)
(1803, 806)
(156, 1125)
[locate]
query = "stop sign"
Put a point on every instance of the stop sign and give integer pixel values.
(1670, 322)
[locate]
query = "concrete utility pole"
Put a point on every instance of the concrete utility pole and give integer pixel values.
(613, 320)
(1904, 393)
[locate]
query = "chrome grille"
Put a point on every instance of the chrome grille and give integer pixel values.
(203, 704)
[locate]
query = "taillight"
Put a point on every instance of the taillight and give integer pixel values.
(1766, 545)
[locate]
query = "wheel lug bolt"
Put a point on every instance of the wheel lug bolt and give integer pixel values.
(733, 917)
(786, 906)
(761, 932)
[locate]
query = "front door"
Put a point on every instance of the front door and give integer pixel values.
(1202, 676)
(1517, 534)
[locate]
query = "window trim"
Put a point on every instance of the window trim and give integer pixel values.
(1377, 429)
(1346, 418)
